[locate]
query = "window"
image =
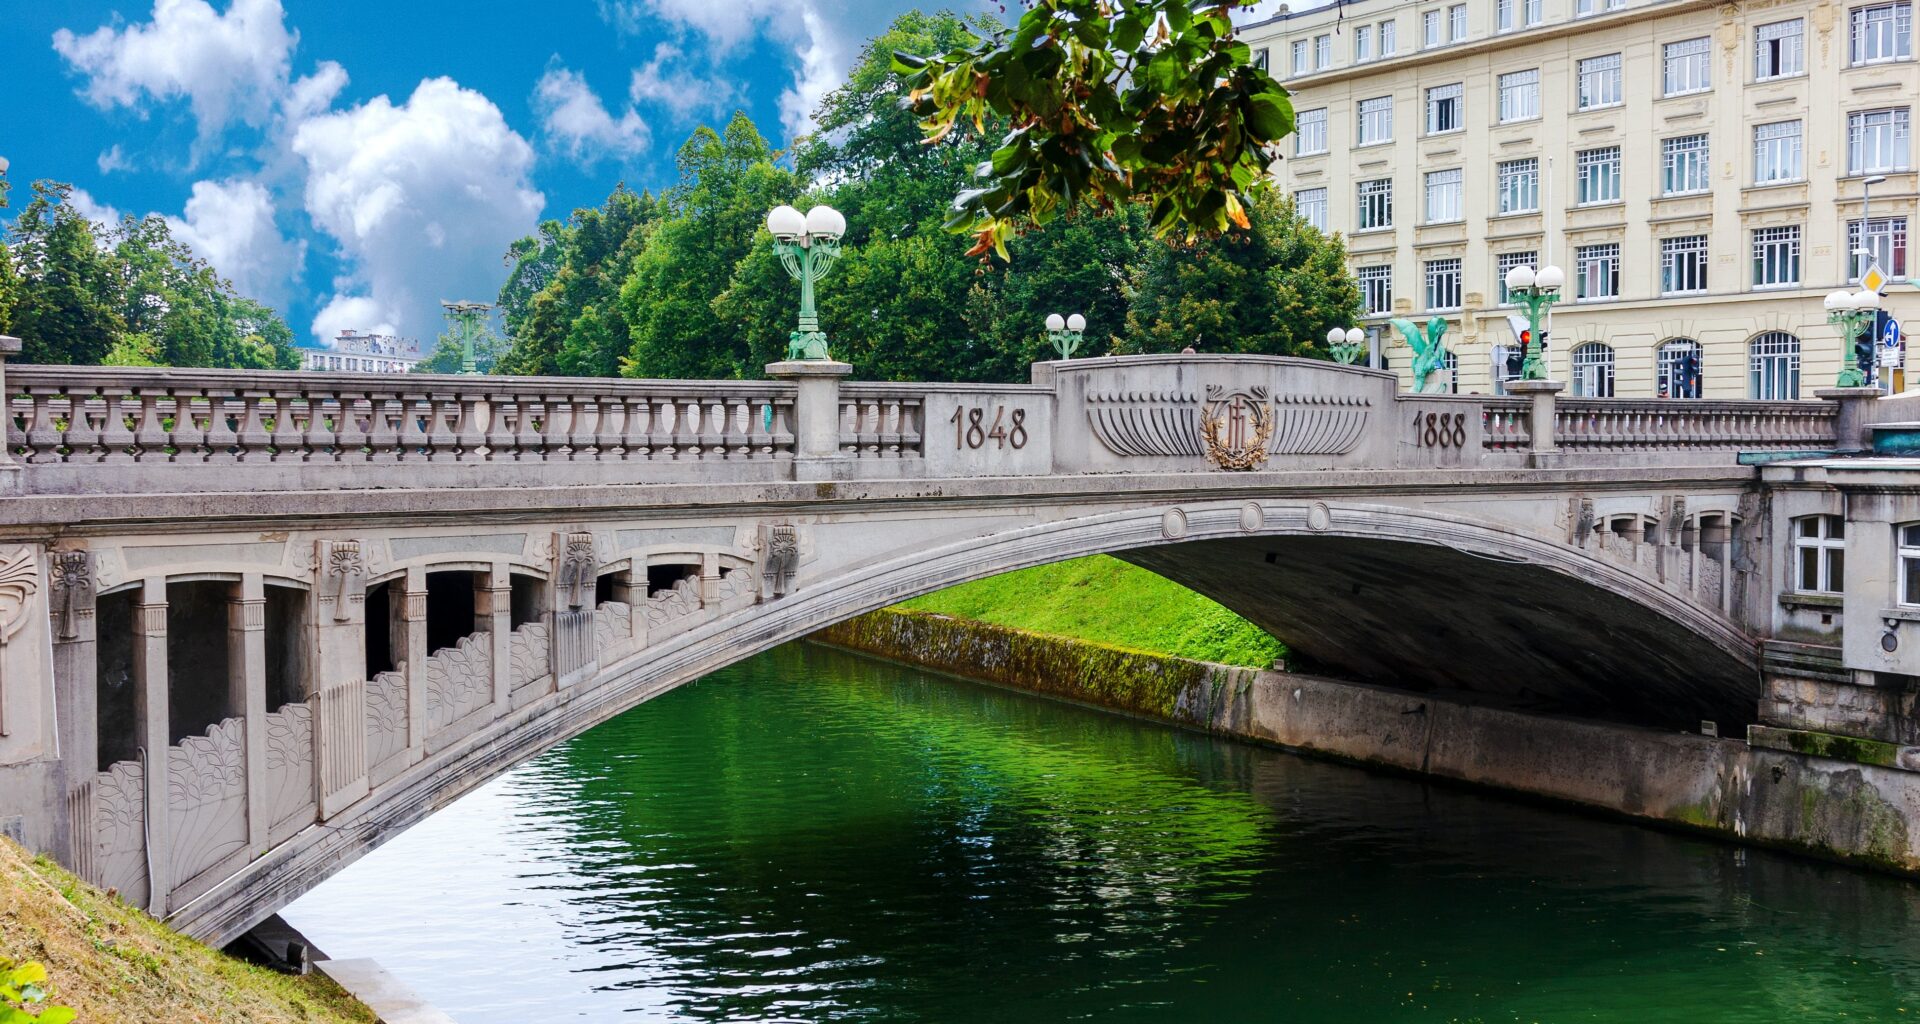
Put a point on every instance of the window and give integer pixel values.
(1387, 43)
(1599, 172)
(1773, 365)
(1300, 65)
(1534, 11)
(1450, 365)
(1683, 265)
(1683, 163)
(1820, 554)
(1376, 289)
(1376, 120)
(1882, 32)
(1443, 285)
(1507, 261)
(1679, 369)
(1506, 14)
(1583, 7)
(1430, 28)
(1457, 22)
(1363, 43)
(1885, 242)
(1686, 67)
(1443, 196)
(1776, 152)
(1262, 58)
(1910, 564)
(1322, 52)
(1520, 95)
(1519, 185)
(1593, 370)
(1600, 82)
(1376, 204)
(1779, 50)
(1444, 109)
(1776, 256)
(1596, 271)
(1878, 141)
(1310, 132)
(1311, 204)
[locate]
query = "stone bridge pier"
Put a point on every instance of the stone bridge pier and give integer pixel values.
(254, 624)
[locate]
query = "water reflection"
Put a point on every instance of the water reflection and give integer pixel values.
(813, 836)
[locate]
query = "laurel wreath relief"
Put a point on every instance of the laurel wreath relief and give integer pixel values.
(1212, 422)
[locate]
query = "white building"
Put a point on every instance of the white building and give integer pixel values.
(1697, 169)
(354, 352)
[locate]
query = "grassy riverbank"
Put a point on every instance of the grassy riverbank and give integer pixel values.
(1108, 601)
(111, 962)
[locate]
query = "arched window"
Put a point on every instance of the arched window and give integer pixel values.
(1820, 554)
(1773, 365)
(1450, 365)
(1593, 370)
(1679, 369)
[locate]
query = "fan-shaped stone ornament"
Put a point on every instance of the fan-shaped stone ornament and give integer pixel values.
(19, 582)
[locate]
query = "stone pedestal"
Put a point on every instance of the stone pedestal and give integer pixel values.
(1542, 449)
(1855, 415)
(816, 414)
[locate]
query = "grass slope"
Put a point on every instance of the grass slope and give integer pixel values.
(1112, 602)
(113, 963)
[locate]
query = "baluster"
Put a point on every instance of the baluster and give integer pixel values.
(116, 429)
(559, 414)
(636, 432)
(531, 436)
(912, 411)
(43, 436)
(686, 428)
(388, 426)
(469, 434)
(781, 444)
(850, 426)
(504, 412)
(187, 437)
(223, 441)
(609, 435)
(713, 427)
(252, 440)
(329, 421)
(438, 413)
(584, 429)
(284, 437)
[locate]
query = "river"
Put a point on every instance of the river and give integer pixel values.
(816, 836)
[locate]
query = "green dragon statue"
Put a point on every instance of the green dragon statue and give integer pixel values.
(1428, 354)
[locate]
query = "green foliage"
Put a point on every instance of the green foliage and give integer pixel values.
(1274, 289)
(1108, 601)
(1148, 101)
(129, 295)
(560, 302)
(23, 995)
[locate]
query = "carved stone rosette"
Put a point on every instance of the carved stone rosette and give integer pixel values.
(780, 545)
(72, 591)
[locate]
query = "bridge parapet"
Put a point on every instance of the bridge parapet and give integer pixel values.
(91, 430)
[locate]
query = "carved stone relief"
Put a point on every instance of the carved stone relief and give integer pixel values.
(528, 650)
(386, 716)
(613, 624)
(207, 798)
(289, 764)
(781, 546)
(459, 681)
(19, 582)
(72, 591)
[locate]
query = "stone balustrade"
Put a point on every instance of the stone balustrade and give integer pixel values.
(1674, 424)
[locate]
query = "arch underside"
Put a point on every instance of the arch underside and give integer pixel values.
(1393, 597)
(1428, 617)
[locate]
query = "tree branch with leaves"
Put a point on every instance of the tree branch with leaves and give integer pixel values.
(1109, 102)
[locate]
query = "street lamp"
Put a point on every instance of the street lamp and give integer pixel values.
(1346, 344)
(1853, 313)
(1065, 333)
(1866, 214)
(807, 245)
(1537, 292)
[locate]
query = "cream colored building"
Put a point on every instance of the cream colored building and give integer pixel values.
(1694, 167)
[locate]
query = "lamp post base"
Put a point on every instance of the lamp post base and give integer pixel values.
(816, 413)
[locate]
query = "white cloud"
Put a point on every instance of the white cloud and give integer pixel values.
(111, 160)
(679, 90)
(230, 224)
(229, 66)
(314, 93)
(86, 206)
(576, 121)
(421, 199)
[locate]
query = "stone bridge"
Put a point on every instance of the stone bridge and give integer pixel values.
(254, 624)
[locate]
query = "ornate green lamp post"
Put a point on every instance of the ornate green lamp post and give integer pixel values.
(1537, 292)
(1853, 313)
(1346, 344)
(1065, 333)
(807, 245)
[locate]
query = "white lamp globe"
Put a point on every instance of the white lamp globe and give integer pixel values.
(786, 222)
(1056, 322)
(1355, 336)
(1520, 278)
(825, 222)
(1550, 279)
(1076, 322)
(1869, 299)
(1838, 300)
(1335, 336)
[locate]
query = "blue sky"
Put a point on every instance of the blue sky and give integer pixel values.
(352, 163)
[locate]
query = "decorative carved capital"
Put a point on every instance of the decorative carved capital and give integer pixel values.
(415, 608)
(578, 568)
(343, 570)
(150, 620)
(780, 544)
(247, 616)
(72, 591)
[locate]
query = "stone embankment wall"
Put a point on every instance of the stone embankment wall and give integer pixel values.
(1858, 812)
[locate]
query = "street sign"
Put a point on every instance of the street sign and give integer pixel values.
(1874, 279)
(1892, 352)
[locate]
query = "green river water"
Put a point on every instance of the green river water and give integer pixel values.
(816, 836)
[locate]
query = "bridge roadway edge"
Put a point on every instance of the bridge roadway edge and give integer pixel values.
(293, 868)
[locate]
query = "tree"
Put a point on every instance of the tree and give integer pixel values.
(728, 182)
(560, 304)
(1274, 288)
(1107, 102)
(68, 300)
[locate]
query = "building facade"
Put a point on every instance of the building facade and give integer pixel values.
(354, 352)
(1697, 169)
